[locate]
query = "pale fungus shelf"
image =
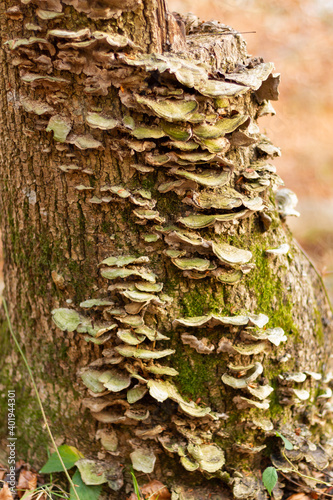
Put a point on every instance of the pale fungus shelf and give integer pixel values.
(242, 382)
(94, 472)
(143, 460)
(280, 250)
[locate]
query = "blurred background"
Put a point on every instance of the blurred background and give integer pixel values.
(297, 35)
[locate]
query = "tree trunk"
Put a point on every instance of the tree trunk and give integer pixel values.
(131, 135)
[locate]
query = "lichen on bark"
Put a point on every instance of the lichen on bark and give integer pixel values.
(144, 196)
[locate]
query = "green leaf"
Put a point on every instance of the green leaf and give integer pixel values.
(288, 445)
(69, 455)
(269, 478)
(85, 492)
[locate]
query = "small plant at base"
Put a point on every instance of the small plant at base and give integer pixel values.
(287, 444)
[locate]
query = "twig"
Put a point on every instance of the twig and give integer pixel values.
(38, 399)
(303, 475)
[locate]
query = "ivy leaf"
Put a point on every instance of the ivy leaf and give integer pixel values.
(69, 455)
(288, 445)
(269, 478)
(84, 491)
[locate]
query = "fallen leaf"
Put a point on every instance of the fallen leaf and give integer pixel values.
(5, 493)
(27, 482)
(299, 496)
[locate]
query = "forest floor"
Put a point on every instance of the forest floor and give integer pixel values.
(296, 35)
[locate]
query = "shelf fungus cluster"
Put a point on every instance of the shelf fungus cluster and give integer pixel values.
(165, 149)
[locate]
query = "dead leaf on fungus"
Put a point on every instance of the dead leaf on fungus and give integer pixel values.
(5, 493)
(153, 490)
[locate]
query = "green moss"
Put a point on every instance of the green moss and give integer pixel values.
(196, 301)
(170, 204)
(106, 226)
(148, 182)
(204, 299)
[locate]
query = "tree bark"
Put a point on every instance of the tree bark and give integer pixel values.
(126, 131)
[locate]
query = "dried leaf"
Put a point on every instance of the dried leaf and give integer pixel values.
(27, 482)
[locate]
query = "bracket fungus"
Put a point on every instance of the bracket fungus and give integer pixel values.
(209, 178)
(97, 120)
(94, 472)
(274, 335)
(259, 320)
(280, 250)
(66, 319)
(202, 221)
(210, 458)
(241, 383)
(123, 272)
(60, 127)
(171, 110)
(114, 381)
(143, 460)
(132, 352)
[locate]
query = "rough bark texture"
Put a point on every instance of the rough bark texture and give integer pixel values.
(119, 137)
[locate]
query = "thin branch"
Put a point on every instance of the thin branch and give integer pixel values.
(319, 492)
